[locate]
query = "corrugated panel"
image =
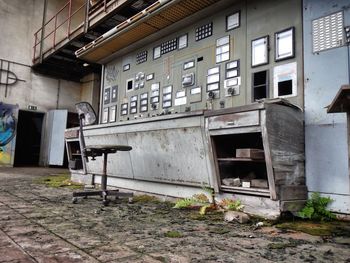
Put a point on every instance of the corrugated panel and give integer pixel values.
(170, 14)
(158, 22)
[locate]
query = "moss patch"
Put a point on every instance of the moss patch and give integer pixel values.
(280, 245)
(59, 180)
(145, 199)
(173, 234)
(336, 228)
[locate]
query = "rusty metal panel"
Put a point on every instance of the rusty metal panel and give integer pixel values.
(119, 164)
(234, 120)
(167, 150)
(174, 156)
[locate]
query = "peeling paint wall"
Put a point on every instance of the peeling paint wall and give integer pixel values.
(326, 134)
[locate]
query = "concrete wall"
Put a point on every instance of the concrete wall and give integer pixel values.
(19, 20)
(91, 90)
(326, 134)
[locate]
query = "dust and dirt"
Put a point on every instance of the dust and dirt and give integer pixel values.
(40, 224)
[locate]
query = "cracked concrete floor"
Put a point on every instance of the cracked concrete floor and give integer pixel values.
(40, 224)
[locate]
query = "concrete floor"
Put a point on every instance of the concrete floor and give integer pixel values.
(40, 224)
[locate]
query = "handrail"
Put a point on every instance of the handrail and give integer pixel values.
(39, 37)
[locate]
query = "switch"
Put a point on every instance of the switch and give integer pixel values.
(188, 80)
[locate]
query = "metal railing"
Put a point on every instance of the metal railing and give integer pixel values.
(56, 22)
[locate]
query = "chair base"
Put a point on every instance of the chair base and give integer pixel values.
(103, 194)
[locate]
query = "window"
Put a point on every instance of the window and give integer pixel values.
(260, 85)
(233, 21)
(284, 44)
(223, 49)
(260, 51)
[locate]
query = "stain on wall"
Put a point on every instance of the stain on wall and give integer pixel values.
(8, 122)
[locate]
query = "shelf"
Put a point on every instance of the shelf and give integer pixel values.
(240, 160)
(246, 190)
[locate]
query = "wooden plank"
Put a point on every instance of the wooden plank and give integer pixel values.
(239, 160)
(285, 129)
(298, 192)
(268, 159)
(236, 189)
(250, 153)
(259, 183)
(341, 101)
(250, 107)
(292, 206)
(241, 119)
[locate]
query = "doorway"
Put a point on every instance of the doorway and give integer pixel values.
(29, 131)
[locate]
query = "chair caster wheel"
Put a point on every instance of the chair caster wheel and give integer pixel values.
(74, 200)
(105, 202)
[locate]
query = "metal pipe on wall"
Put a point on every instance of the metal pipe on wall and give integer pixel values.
(42, 32)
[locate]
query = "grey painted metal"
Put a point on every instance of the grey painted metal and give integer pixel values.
(57, 120)
(326, 148)
(170, 151)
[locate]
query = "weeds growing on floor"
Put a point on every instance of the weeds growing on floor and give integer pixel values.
(59, 180)
(316, 208)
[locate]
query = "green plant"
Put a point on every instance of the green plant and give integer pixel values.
(230, 204)
(185, 203)
(316, 208)
(211, 193)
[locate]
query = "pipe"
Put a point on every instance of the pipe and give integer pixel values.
(42, 32)
(132, 20)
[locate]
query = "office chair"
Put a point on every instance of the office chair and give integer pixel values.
(87, 116)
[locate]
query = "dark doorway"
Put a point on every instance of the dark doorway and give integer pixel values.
(28, 138)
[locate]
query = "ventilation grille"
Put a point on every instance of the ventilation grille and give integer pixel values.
(327, 32)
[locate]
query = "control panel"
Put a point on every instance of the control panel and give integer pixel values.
(227, 59)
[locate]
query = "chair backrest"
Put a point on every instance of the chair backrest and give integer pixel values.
(87, 116)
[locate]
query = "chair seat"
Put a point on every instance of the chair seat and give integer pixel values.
(98, 150)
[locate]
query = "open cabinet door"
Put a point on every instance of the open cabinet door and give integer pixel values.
(57, 122)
